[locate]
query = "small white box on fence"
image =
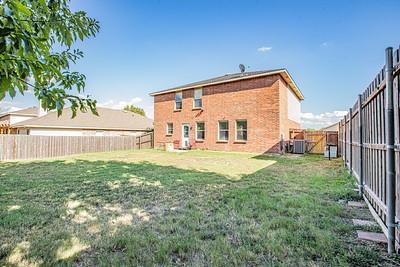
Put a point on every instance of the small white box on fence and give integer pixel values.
(169, 147)
(333, 151)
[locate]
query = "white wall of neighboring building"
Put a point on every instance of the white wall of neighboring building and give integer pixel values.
(294, 106)
(77, 132)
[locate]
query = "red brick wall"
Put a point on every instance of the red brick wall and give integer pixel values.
(256, 100)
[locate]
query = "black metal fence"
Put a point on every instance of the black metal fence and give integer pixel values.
(370, 146)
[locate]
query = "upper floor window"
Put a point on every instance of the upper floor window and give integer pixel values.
(241, 130)
(223, 130)
(178, 100)
(198, 93)
(170, 128)
(200, 131)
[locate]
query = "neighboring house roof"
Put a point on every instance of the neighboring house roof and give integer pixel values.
(333, 127)
(32, 111)
(108, 119)
(236, 77)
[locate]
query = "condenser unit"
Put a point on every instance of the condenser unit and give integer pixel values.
(298, 146)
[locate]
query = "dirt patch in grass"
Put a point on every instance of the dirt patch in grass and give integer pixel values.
(197, 208)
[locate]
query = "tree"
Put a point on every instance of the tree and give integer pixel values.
(134, 109)
(36, 39)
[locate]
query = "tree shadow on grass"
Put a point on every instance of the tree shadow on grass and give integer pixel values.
(58, 211)
(91, 213)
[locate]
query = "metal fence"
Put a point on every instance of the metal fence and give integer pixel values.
(370, 142)
(15, 147)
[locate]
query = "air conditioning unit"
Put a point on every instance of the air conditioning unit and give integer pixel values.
(299, 146)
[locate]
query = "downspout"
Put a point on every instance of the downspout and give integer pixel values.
(390, 156)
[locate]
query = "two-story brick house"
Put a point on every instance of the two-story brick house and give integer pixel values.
(249, 111)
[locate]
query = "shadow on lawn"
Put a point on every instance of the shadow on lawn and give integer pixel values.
(92, 213)
(60, 210)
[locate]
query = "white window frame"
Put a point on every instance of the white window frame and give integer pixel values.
(194, 98)
(196, 138)
(172, 129)
(236, 130)
(176, 93)
(222, 140)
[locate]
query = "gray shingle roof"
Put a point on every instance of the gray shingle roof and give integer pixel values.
(234, 77)
(108, 119)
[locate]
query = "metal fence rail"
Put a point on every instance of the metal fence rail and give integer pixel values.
(14, 147)
(370, 142)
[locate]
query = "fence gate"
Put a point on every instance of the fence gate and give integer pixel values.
(370, 146)
(315, 141)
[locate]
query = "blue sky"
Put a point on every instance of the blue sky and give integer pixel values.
(333, 49)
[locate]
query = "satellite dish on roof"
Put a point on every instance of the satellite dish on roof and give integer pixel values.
(242, 68)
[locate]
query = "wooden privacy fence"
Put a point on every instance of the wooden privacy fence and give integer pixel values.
(369, 144)
(315, 140)
(14, 147)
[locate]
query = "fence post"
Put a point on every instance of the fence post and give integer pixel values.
(390, 156)
(140, 142)
(344, 141)
(360, 143)
(351, 141)
(152, 139)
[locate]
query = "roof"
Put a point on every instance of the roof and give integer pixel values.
(32, 111)
(236, 77)
(332, 127)
(108, 119)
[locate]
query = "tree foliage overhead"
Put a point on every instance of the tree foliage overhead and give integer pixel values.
(36, 38)
(135, 109)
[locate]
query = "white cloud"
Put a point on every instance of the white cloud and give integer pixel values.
(8, 106)
(120, 104)
(149, 110)
(318, 121)
(326, 44)
(264, 49)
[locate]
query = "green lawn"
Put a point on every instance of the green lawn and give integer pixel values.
(195, 208)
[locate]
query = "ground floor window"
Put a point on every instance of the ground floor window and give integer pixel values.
(223, 130)
(170, 128)
(200, 131)
(241, 130)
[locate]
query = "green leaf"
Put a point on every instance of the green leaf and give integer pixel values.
(22, 8)
(5, 83)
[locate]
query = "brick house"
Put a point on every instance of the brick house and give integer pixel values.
(249, 111)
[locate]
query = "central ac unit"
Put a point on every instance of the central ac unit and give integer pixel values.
(298, 146)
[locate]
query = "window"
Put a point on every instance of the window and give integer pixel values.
(223, 130)
(241, 130)
(178, 101)
(200, 131)
(170, 128)
(198, 93)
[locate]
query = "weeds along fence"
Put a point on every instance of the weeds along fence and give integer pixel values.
(370, 146)
(16, 147)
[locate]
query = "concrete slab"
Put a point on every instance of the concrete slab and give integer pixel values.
(357, 204)
(370, 236)
(358, 222)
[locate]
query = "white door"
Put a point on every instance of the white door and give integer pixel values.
(185, 135)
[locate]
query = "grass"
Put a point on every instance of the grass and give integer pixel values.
(195, 208)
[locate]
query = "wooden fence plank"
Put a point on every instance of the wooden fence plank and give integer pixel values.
(363, 137)
(14, 147)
